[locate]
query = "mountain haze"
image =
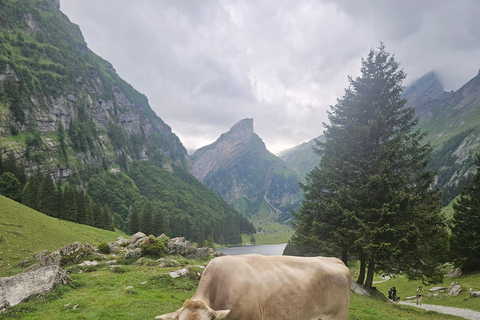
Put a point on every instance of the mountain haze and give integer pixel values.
(240, 169)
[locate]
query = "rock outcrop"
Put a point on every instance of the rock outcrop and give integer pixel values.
(42, 277)
(20, 287)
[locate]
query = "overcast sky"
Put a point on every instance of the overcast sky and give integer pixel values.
(205, 65)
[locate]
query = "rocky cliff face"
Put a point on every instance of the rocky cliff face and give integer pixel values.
(239, 168)
(453, 125)
(228, 147)
(50, 79)
(423, 90)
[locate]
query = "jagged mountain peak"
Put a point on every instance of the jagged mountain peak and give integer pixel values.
(227, 147)
(426, 88)
(240, 169)
(244, 124)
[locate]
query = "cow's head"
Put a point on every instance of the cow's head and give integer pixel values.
(195, 310)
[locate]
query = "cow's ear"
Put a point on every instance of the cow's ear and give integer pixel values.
(221, 314)
(168, 316)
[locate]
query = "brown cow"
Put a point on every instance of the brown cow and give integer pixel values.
(256, 287)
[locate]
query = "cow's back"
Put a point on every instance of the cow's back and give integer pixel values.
(274, 287)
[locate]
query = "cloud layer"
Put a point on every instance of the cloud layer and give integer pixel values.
(204, 65)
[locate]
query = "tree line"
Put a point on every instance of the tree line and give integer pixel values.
(147, 199)
(371, 197)
(39, 192)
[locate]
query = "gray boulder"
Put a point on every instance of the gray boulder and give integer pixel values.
(361, 290)
(41, 255)
(134, 238)
(114, 247)
(134, 254)
(121, 240)
(76, 250)
(140, 241)
(454, 289)
(205, 252)
(181, 246)
(53, 259)
(20, 287)
(70, 249)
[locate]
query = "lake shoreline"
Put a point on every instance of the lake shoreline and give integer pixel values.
(265, 249)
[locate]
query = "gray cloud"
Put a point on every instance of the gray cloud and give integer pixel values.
(204, 65)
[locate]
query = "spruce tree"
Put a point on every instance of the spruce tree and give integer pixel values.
(97, 216)
(89, 217)
(158, 223)
(46, 196)
(30, 197)
(59, 203)
(201, 240)
(146, 220)
(134, 222)
(10, 187)
(70, 203)
(370, 196)
(81, 207)
(107, 220)
(465, 240)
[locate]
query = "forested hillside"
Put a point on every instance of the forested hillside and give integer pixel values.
(66, 114)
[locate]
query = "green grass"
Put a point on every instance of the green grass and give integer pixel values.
(24, 232)
(363, 308)
(105, 294)
(99, 293)
(407, 288)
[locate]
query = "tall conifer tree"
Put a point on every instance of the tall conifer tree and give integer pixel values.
(70, 211)
(465, 240)
(134, 222)
(46, 196)
(31, 191)
(370, 196)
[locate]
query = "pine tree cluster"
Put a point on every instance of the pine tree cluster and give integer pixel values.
(40, 193)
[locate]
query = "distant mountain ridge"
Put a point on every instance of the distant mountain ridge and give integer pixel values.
(302, 158)
(239, 168)
(452, 123)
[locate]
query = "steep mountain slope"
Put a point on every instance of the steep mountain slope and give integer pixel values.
(453, 126)
(65, 111)
(240, 169)
(302, 158)
(50, 79)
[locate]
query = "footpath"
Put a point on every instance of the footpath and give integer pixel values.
(464, 313)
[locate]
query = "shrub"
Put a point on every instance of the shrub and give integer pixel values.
(104, 248)
(153, 247)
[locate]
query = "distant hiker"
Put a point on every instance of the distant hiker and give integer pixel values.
(419, 294)
(394, 295)
(390, 294)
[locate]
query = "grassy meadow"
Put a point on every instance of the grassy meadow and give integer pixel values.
(144, 291)
(25, 232)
